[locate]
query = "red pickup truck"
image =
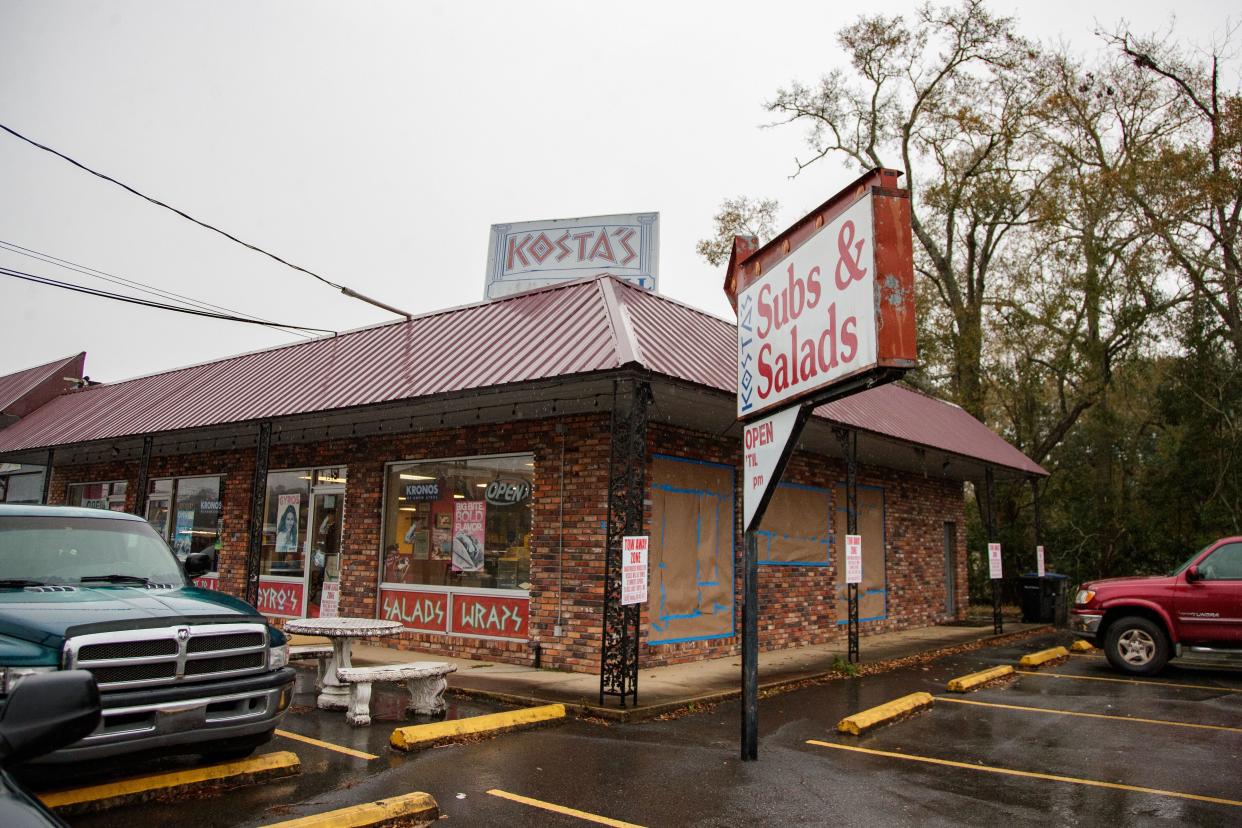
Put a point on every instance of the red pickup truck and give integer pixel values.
(1141, 623)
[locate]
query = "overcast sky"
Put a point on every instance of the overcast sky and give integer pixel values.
(375, 143)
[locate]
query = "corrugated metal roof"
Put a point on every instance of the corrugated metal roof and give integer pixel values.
(24, 391)
(580, 327)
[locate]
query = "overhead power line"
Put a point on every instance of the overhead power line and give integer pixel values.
(43, 280)
(342, 288)
(142, 287)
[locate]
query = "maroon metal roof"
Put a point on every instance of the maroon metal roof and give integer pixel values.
(24, 391)
(580, 327)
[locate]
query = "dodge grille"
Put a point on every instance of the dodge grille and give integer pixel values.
(169, 655)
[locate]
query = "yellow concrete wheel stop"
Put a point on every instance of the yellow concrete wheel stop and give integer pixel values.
(860, 723)
(1043, 657)
(963, 684)
(427, 735)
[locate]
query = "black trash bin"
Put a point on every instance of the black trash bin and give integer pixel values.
(1029, 589)
(1052, 602)
(1043, 599)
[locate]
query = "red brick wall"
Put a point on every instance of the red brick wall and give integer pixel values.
(568, 537)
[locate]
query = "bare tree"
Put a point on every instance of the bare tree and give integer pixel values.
(739, 216)
(1191, 191)
(947, 101)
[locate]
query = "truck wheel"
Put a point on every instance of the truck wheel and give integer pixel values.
(1137, 646)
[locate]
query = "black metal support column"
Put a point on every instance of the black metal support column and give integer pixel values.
(258, 500)
(989, 493)
(47, 475)
(144, 472)
(627, 478)
(849, 445)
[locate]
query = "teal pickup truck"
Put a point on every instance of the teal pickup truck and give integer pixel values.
(179, 669)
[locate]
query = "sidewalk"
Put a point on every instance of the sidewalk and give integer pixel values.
(661, 689)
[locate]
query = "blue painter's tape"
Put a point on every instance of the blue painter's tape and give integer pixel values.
(651, 643)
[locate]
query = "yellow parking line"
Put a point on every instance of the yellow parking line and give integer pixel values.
(1134, 681)
(328, 745)
(1089, 715)
(561, 809)
(1050, 777)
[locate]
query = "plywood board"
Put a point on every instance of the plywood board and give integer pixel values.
(872, 597)
(691, 555)
(797, 527)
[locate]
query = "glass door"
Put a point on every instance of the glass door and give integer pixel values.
(157, 514)
(324, 546)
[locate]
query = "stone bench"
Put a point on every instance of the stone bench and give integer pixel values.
(323, 652)
(425, 681)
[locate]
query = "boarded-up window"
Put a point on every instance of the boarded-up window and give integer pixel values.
(796, 529)
(873, 591)
(691, 555)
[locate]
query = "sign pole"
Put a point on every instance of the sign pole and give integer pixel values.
(750, 650)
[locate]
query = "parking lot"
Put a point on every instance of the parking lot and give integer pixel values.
(1073, 742)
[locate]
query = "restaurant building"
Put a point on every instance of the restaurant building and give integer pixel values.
(471, 472)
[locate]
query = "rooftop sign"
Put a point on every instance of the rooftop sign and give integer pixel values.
(532, 254)
(834, 312)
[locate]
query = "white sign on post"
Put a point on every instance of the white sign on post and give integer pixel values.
(810, 320)
(1039, 560)
(634, 569)
(994, 561)
(763, 443)
(330, 599)
(853, 559)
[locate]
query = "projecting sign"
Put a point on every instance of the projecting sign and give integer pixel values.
(1039, 560)
(763, 446)
(811, 319)
(532, 254)
(634, 569)
(853, 559)
(994, 561)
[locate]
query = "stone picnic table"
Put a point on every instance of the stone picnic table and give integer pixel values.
(341, 632)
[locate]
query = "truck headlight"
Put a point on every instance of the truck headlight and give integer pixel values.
(1084, 596)
(10, 677)
(278, 656)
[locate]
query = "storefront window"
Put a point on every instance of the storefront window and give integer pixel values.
(284, 522)
(99, 495)
(24, 487)
(463, 523)
(186, 512)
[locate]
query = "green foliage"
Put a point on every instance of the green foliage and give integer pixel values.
(844, 667)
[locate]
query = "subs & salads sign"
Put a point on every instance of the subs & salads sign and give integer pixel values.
(815, 317)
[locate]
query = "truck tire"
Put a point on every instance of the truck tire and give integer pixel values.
(1137, 646)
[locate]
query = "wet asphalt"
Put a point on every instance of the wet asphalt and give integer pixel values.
(687, 772)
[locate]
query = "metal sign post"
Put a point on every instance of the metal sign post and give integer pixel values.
(995, 571)
(826, 309)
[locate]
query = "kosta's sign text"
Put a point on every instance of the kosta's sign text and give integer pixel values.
(531, 254)
(811, 319)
